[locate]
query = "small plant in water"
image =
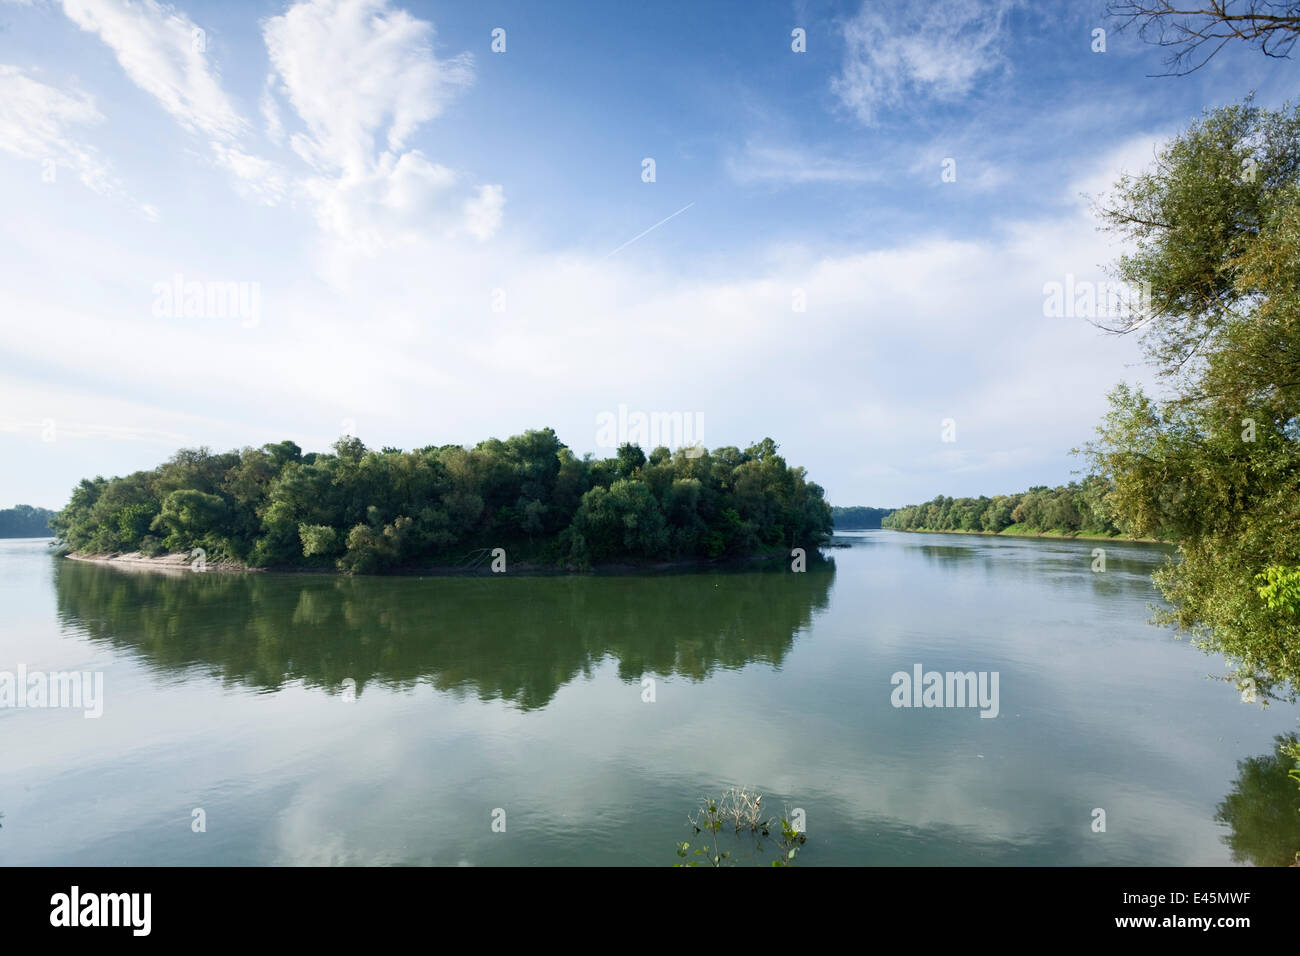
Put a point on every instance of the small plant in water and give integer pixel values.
(742, 810)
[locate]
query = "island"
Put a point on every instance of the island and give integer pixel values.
(529, 500)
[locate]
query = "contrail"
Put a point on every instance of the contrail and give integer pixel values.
(651, 229)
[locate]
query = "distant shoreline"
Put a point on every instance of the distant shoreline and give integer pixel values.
(1058, 535)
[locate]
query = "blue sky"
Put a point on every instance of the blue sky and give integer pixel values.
(427, 228)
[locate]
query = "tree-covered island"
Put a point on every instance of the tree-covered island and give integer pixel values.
(363, 511)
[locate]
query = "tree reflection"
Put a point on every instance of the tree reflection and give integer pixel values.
(1263, 809)
(517, 638)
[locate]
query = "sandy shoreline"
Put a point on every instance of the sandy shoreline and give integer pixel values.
(183, 563)
(176, 563)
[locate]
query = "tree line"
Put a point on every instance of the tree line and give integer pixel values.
(1076, 508)
(24, 521)
(1211, 462)
(857, 517)
(365, 511)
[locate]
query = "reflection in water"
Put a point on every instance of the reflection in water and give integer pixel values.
(517, 638)
(944, 552)
(296, 776)
(1114, 570)
(1263, 809)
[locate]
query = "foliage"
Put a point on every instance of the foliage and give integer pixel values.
(1076, 508)
(1215, 465)
(742, 809)
(858, 517)
(364, 511)
(24, 521)
(1281, 588)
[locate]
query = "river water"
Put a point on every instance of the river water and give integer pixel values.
(504, 720)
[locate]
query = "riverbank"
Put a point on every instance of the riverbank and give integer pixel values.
(1008, 533)
(175, 563)
(181, 563)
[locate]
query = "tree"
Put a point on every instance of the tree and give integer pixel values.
(630, 459)
(1215, 466)
(189, 518)
(371, 511)
(1194, 32)
(858, 517)
(24, 521)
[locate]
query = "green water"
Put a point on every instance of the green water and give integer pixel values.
(327, 720)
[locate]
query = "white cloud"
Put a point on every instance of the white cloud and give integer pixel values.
(271, 112)
(256, 177)
(45, 415)
(161, 52)
(483, 212)
(936, 50)
(783, 164)
(352, 68)
(1133, 156)
(893, 340)
(166, 54)
(40, 123)
(971, 166)
(363, 78)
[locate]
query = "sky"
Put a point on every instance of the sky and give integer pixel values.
(831, 224)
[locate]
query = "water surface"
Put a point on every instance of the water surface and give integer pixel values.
(327, 720)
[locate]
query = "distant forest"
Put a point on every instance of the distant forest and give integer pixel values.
(1076, 508)
(364, 511)
(24, 521)
(858, 517)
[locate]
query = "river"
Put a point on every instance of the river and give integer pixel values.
(507, 720)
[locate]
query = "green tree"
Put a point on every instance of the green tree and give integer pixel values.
(1215, 465)
(189, 518)
(370, 511)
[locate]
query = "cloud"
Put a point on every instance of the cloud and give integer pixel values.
(39, 122)
(256, 177)
(1134, 156)
(483, 211)
(777, 164)
(363, 78)
(936, 50)
(893, 340)
(353, 68)
(971, 166)
(164, 53)
(271, 112)
(896, 335)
